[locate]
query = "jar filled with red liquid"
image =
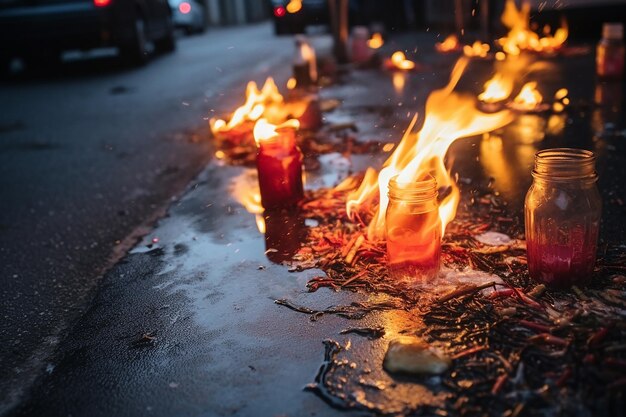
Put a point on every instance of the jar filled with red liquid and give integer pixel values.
(563, 209)
(610, 52)
(413, 230)
(279, 165)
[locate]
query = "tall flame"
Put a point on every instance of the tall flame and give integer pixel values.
(496, 89)
(449, 116)
(258, 102)
(520, 37)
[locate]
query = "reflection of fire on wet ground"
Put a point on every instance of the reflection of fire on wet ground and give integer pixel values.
(514, 345)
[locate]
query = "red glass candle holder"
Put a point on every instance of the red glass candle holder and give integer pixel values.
(279, 165)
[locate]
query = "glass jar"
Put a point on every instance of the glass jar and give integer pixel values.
(610, 52)
(413, 230)
(279, 165)
(563, 209)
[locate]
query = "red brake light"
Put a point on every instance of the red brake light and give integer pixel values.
(101, 3)
(279, 11)
(184, 7)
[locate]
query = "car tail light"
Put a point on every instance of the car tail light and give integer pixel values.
(101, 3)
(184, 7)
(279, 11)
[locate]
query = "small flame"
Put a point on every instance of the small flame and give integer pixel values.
(291, 83)
(449, 116)
(264, 130)
(398, 59)
(521, 38)
(256, 105)
(497, 89)
(451, 43)
(477, 49)
(528, 98)
(294, 6)
(376, 41)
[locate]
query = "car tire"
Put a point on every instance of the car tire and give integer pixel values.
(135, 51)
(280, 28)
(168, 42)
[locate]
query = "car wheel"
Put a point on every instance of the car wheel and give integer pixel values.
(135, 51)
(168, 42)
(280, 28)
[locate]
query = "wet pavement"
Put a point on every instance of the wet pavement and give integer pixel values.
(187, 324)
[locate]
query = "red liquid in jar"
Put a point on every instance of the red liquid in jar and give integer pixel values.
(414, 245)
(563, 265)
(280, 175)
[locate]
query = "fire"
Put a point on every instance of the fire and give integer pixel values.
(497, 89)
(477, 49)
(451, 43)
(528, 98)
(264, 130)
(291, 83)
(376, 41)
(294, 6)
(449, 116)
(257, 104)
(521, 38)
(398, 60)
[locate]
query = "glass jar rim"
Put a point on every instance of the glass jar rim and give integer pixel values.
(565, 164)
(415, 191)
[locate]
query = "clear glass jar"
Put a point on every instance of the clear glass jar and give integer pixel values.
(563, 209)
(413, 230)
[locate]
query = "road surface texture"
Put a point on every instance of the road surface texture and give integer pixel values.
(91, 153)
(186, 325)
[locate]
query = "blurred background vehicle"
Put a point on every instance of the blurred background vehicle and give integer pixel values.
(293, 16)
(38, 31)
(188, 15)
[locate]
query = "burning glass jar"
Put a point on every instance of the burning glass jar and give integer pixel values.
(563, 210)
(413, 229)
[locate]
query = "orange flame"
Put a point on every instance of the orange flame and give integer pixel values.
(528, 98)
(257, 104)
(376, 41)
(398, 60)
(264, 130)
(477, 49)
(521, 38)
(449, 116)
(496, 89)
(451, 43)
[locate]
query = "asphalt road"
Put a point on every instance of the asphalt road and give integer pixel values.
(90, 155)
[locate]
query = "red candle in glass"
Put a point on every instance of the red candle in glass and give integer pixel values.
(563, 209)
(279, 164)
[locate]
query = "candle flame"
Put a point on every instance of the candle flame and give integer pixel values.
(376, 41)
(528, 98)
(477, 49)
(451, 43)
(449, 116)
(496, 89)
(398, 60)
(521, 38)
(264, 130)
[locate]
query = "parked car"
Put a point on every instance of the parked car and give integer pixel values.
(292, 16)
(188, 15)
(39, 30)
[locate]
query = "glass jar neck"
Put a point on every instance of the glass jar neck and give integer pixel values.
(565, 165)
(417, 192)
